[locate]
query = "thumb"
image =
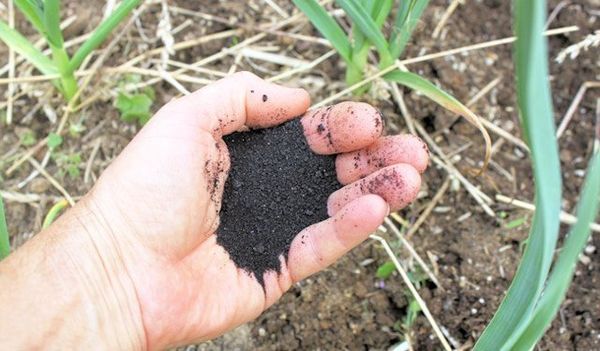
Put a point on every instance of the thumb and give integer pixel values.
(242, 99)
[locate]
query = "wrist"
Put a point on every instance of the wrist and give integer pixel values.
(72, 288)
(99, 269)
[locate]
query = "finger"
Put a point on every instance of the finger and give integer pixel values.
(398, 185)
(242, 99)
(344, 127)
(386, 151)
(321, 244)
(276, 283)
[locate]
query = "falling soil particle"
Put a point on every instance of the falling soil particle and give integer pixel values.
(276, 187)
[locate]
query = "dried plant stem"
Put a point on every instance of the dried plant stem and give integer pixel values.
(277, 9)
(413, 253)
(413, 291)
(430, 206)
(308, 66)
(484, 45)
(449, 11)
(561, 5)
(484, 91)
(88, 168)
(184, 45)
(482, 199)
(19, 197)
(399, 98)
(258, 37)
(467, 48)
(565, 217)
(29, 153)
(573, 107)
(52, 181)
(504, 134)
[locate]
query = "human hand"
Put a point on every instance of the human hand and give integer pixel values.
(155, 214)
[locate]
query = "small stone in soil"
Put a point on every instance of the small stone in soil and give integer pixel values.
(276, 187)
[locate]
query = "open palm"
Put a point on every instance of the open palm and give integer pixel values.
(161, 202)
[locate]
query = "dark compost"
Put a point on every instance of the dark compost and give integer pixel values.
(276, 187)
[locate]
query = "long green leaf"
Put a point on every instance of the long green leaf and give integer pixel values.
(327, 26)
(420, 84)
(54, 212)
(360, 55)
(33, 11)
(380, 11)
(404, 9)
(54, 36)
(535, 102)
(21, 45)
(562, 273)
(407, 18)
(102, 32)
(359, 42)
(52, 23)
(361, 18)
(4, 241)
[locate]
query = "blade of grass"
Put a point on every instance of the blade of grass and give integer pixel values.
(102, 32)
(4, 240)
(535, 104)
(22, 46)
(516, 223)
(562, 273)
(33, 11)
(361, 18)
(55, 40)
(406, 19)
(360, 54)
(404, 9)
(54, 212)
(380, 11)
(359, 41)
(420, 84)
(327, 26)
(53, 32)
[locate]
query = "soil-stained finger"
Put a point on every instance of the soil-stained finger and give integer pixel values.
(268, 104)
(232, 104)
(386, 151)
(345, 127)
(321, 244)
(398, 185)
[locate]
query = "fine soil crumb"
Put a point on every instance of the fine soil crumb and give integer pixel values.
(276, 187)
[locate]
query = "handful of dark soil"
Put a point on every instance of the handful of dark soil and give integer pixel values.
(276, 187)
